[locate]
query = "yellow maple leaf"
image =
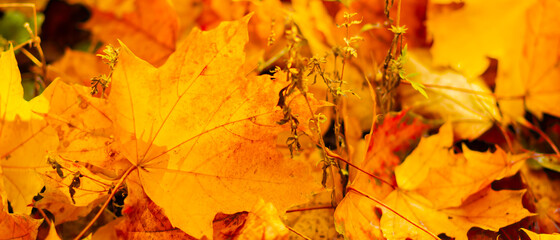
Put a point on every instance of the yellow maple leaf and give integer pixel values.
(447, 179)
(487, 209)
(470, 172)
(467, 102)
(530, 80)
(464, 38)
(200, 134)
(25, 138)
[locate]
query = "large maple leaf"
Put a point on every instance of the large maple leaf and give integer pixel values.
(450, 193)
(201, 135)
(487, 209)
(438, 190)
(447, 179)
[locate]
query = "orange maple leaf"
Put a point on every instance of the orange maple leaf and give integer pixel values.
(447, 179)
(201, 136)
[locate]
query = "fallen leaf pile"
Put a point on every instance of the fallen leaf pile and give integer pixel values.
(269, 119)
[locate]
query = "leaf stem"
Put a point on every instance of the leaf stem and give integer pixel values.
(119, 183)
(309, 208)
(297, 233)
(334, 155)
(395, 212)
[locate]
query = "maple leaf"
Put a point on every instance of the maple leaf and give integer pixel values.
(428, 168)
(487, 209)
(150, 30)
(202, 135)
(497, 35)
(471, 172)
(453, 97)
(442, 191)
(17, 226)
(450, 193)
(25, 138)
(530, 80)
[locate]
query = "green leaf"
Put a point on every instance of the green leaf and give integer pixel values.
(418, 87)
